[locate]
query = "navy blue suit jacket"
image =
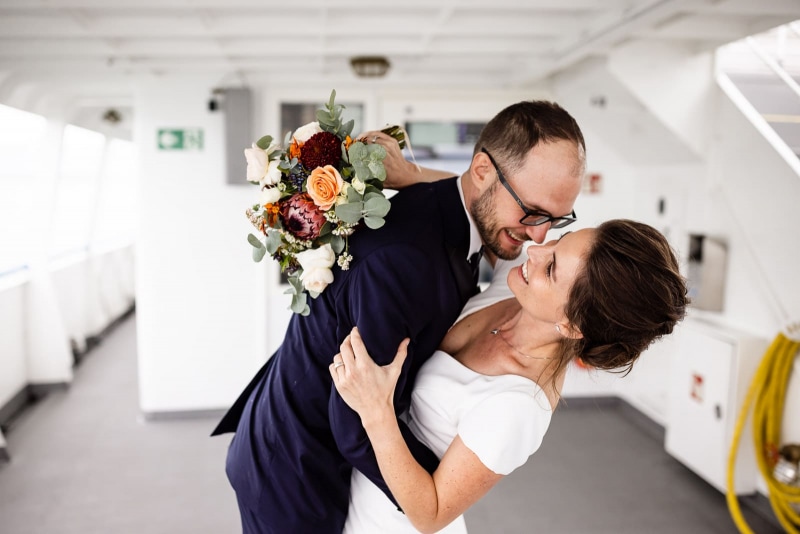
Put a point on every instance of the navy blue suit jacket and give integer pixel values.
(296, 440)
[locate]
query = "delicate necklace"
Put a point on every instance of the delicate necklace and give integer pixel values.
(496, 331)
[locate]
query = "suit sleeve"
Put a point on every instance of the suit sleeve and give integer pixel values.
(392, 296)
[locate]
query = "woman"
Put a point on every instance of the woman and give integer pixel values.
(483, 402)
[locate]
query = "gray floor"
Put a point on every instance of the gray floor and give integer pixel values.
(84, 461)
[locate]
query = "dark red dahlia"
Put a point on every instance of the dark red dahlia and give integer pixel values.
(323, 148)
(301, 217)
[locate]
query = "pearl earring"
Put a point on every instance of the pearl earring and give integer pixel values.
(558, 329)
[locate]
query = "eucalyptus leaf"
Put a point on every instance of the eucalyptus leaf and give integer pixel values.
(332, 98)
(273, 242)
(264, 142)
(337, 244)
(258, 254)
(374, 222)
(377, 170)
(299, 304)
(347, 128)
(326, 229)
(349, 213)
(353, 195)
(357, 150)
(253, 240)
(377, 207)
(377, 152)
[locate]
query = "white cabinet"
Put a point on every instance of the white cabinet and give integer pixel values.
(709, 377)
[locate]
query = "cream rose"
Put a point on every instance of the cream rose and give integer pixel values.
(270, 195)
(323, 185)
(316, 264)
(260, 169)
(358, 185)
(304, 133)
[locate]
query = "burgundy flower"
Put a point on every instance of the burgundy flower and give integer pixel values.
(321, 149)
(301, 217)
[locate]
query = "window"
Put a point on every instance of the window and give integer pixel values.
(118, 195)
(74, 210)
(21, 135)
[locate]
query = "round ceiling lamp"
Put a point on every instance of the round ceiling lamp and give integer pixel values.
(370, 66)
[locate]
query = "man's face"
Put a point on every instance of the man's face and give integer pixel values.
(549, 180)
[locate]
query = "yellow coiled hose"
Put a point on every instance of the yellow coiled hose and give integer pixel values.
(768, 391)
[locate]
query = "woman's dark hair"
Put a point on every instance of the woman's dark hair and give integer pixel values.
(629, 294)
(511, 134)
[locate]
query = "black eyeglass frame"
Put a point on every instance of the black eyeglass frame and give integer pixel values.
(539, 217)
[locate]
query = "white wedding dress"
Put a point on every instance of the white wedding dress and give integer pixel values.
(502, 419)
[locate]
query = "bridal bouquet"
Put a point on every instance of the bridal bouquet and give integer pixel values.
(314, 194)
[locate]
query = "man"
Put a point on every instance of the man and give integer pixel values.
(296, 441)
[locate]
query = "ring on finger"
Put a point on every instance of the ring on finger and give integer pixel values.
(374, 138)
(336, 365)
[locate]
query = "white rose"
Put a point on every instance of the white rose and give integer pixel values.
(358, 185)
(270, 195)
(273, 174)
(316, 265)
(259, 167)
(304, 133)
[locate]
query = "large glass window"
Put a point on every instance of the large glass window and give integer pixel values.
(74, 210)
(116, 220)
(21, 135)
(445, 145)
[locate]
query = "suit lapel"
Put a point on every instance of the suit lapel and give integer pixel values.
(456, 226)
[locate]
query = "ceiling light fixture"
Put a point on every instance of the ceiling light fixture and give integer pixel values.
(370, 66)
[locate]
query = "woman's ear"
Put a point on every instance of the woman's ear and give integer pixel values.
(567, 329)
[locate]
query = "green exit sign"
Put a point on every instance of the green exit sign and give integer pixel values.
(180, 139)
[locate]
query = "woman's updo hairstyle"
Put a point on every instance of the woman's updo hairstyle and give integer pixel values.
(629, 294)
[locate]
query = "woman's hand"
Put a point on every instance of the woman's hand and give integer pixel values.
(365, 386)
(400, 172)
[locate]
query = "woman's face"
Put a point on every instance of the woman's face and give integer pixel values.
(543, 282)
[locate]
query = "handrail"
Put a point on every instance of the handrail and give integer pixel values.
(774, 65)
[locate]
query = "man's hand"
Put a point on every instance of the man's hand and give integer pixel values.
(400, 172)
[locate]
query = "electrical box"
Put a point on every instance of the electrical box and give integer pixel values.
(709, 378)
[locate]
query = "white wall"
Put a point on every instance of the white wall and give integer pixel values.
(198, 289)
(719, 170)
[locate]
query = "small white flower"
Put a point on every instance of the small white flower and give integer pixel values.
(304, 133)
(316, 264)
(270, 195)
(358, 185)
(344, 261)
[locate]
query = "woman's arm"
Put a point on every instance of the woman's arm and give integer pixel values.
(400, 172)
(429, 502)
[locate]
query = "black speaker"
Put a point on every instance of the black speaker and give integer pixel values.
(237, 106)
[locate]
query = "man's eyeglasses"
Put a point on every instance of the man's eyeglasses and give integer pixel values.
(532, 217)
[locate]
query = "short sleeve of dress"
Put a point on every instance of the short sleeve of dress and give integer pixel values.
(504, 429)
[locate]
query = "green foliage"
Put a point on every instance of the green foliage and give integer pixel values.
(299, 302)
(259, 250)
(330, 118)
(273, 242)
(264, 142)
(367, 160)
(350, 212)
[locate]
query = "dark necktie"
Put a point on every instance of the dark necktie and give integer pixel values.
(475, 263)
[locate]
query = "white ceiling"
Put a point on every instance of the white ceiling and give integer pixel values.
(98, 49)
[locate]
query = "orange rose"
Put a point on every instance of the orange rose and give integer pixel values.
(323, 185)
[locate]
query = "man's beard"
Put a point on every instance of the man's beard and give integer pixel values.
(483, 214)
